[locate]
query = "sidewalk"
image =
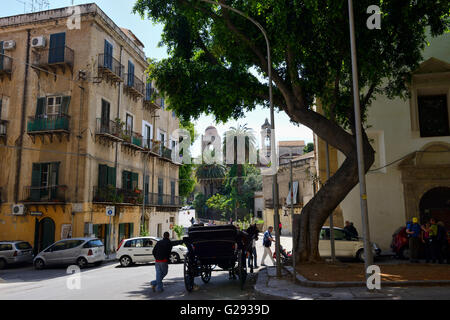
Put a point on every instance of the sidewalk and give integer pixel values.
(284, 288)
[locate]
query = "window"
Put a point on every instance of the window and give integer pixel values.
(130, 74)
(129, 124)
(433, 116)
(52, 106)
(106, 176)
(2, 52)
(129, 180)
(106, 108)
(147, 243)
(5, 247)
(59, 246)
(108, 55)
(93, 244)
(162, 103)
(57, 48)
(44, 180)
(70, 244)
(23, 246)
(148, 91)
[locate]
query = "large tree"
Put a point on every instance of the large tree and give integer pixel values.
(215, 55)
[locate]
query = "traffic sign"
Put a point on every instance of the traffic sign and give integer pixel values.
(110, 211)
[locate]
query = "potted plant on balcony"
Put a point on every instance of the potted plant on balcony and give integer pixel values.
(119, 125)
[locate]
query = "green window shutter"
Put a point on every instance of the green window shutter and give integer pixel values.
(55, 173)
(134, 180)
(36, 175)
(124, 179)
(112, 176)
(40, 109)
(102, 175)
(65, 105)
(131, 230)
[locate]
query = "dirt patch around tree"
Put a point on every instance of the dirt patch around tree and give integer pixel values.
(340, 272)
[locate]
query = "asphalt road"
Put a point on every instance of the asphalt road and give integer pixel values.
(112, 282)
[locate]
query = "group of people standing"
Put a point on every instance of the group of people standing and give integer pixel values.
(433, 236)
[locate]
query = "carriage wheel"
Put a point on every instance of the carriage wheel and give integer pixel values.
(188, 275)
(242, 269)
(206, 274)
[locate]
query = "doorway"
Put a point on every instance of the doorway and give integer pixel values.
(436, 204)
(44, 235)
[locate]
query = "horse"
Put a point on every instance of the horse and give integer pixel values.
(244, 240)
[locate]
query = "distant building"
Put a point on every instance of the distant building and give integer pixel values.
(290, 149)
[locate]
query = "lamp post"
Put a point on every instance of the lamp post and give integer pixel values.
(272, 117)
(368, 260)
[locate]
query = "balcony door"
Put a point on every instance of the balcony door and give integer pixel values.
(160, 191)
(44, 181)
(129, 125)
(130, 74)
(105, 117)
(57, 48)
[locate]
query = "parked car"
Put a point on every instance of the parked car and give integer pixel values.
(140, 250)
(400, 244)
(15, 253)
(79, 251)
(346, 246)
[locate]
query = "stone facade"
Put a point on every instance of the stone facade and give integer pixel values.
(60, 107)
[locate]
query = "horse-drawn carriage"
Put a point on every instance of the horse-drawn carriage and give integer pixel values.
(217, 248)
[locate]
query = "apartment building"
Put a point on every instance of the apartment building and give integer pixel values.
(85, 142)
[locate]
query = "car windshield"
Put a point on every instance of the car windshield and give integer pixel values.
(23, 246)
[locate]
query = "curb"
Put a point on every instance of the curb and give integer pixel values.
(352, 284)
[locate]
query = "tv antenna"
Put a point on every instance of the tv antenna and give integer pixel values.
(31, 6)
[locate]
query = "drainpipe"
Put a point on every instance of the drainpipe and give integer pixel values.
(22, 121)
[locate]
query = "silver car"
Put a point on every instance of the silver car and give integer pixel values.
(79, 251)
(15, 252)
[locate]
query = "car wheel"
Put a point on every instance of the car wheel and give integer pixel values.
(174, 258)
(2, 264)
(39, 264)
(404, 253)
(82, 262)
(125, 261)
(360, 256)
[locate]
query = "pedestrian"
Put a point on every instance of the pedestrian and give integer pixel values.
(442, 239)
(350, 230)
(267, 243)
(192, 221)
(413, 229)
(161, 252)
(253, 262)
(281, 227)
(426, 240)
(436, 254)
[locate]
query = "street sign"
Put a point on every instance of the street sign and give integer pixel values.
(110, 211)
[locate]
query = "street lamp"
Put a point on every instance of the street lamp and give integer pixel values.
(368, 261)
(272, 117)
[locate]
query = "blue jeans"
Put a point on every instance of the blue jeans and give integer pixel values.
(255, 263)
(162, 268)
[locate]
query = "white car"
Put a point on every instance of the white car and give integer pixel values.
(140, 250)
(346, 246)
(80, 251)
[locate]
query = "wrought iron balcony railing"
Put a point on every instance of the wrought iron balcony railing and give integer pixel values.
(110, 67)
(110, 194)
(108, 128)
(134, 85)
(155, 199)
(59, 56)
(50, 123)
(132, 139)
(50, 194)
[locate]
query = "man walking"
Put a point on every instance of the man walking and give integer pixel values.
(413, 229)
(267, 243)
(161, 252)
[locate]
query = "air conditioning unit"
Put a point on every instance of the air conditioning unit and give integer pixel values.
(9, 45)
(38, 42)
(18, 210)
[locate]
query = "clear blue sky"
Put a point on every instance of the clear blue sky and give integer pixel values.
(120, 11)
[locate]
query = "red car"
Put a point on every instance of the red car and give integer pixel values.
(400, 244)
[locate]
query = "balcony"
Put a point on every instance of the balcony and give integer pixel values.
(3, 130)
(149, 103)
(166, 153)
(53, 58)
(155, 199)
(5, 66)
(110, 69)
(153, 146)
(132, 141)
(48, 195)
(133, 86)
(50, 126)
(110, 194)
(108, 131)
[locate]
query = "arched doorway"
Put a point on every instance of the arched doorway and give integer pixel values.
(436, 204)
(44, 234)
